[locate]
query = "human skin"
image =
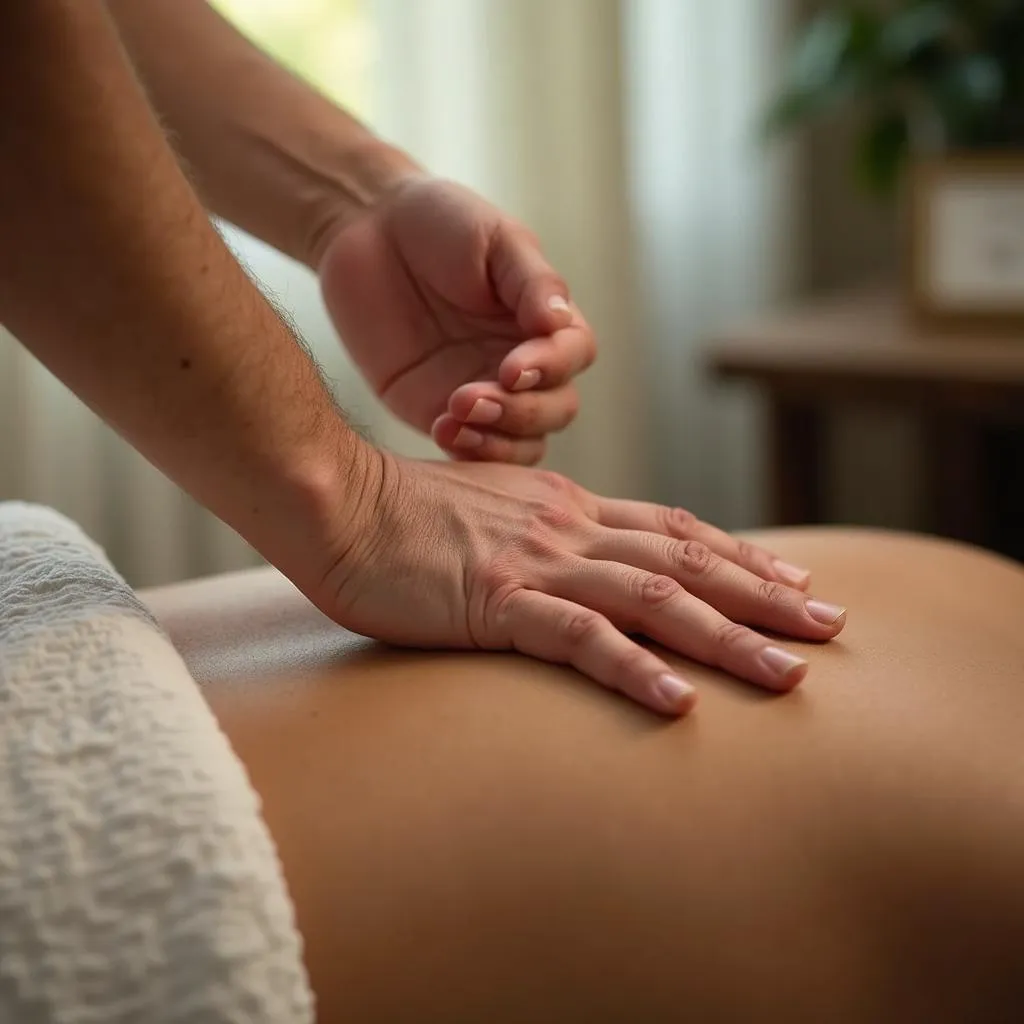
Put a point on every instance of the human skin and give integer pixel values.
(446, 304)
(112, 275)
(474, 837)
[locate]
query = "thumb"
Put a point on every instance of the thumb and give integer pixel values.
(526, 283)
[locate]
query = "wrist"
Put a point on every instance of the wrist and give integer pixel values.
(333, 494)
(363, 175)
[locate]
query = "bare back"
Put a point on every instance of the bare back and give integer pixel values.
(487, 838)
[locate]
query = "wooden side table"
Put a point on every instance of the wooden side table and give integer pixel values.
(863, 349)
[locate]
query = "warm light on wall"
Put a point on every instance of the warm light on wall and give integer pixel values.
(331, 43)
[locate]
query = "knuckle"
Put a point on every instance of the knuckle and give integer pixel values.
(731, 635)
(492, 449)
(772, 593)
(503, 604)
(523, 453)
(531, 454)
(578, 628)
(558, 418)
(554, 516)
(693, 557)
(656, 591)
(629, 664)
(551, 279)
(498, 449)
(555, 481)
(499, 577)
(681, 522)
(748, 554)
(541, 545)
(493, 612)
(524, 412)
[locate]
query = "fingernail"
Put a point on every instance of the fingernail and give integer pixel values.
(467, 438)
(782, 663)
(484, 411)
(672, 692)
(558, 304)
(791, 574)
(823, 612)
(526, 380)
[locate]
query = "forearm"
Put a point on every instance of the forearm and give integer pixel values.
(111, 273)
(268, 152)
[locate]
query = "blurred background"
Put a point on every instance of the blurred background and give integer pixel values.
(629, 135)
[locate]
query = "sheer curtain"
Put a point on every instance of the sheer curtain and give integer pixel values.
(715, 235)
(621, 131)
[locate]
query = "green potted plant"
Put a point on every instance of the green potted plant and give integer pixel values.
(940, 86)
(934, 76)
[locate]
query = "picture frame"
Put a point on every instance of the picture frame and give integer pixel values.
(966, 264)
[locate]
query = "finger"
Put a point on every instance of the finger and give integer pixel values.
(738, 594)
(469, 444)
(489, 407)
(551, 360)
(525, 282)
(568, 634)
(676, 522)
(660, 607)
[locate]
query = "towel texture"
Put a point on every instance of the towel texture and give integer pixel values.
(138, 881)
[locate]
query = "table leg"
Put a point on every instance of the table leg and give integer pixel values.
(955, 481)
(796, 440)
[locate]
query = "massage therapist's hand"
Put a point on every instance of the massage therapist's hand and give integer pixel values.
(497, 557)
(457, 321)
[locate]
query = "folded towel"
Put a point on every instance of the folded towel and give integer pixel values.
(138, 882)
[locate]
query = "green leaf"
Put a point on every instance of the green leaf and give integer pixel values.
(977, 80)
(820, 56)
(829, 65)
(915, 29)
(790, 109)
(969, 93)
(883, 151)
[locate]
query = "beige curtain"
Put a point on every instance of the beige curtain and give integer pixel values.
(715, 239)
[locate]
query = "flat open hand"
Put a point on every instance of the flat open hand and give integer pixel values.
(457, 321)
(495, 557)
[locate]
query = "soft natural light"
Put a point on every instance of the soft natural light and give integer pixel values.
(329, 42)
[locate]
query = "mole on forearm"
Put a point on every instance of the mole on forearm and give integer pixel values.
(185, 364)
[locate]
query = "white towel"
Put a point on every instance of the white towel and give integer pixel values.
(138, 881)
